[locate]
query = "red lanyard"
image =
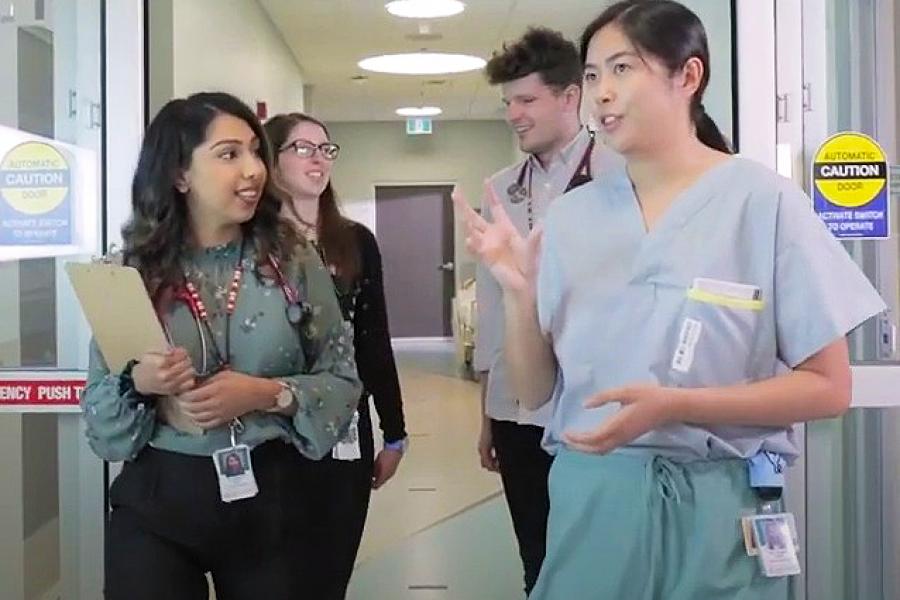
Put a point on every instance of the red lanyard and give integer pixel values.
(295, 311)
(196, 302)
(198, 309)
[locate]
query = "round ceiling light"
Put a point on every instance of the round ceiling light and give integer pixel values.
(425, 9)
(422, 63)
(419, 111)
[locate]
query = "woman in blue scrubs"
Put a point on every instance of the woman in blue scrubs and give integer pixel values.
(681, 314)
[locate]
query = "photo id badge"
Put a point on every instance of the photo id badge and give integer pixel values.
(773, 539)
(235, 471)
(347, 447)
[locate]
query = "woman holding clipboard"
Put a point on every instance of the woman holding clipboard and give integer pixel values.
(261, 362)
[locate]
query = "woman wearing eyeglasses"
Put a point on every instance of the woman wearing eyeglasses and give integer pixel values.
(343, 481)
(260, 365)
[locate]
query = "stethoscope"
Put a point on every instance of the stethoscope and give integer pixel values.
(517, 192)
(296, 311)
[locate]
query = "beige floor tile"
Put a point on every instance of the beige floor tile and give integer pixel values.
(440, 476)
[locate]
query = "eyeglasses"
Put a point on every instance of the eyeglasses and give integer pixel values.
(304, 149)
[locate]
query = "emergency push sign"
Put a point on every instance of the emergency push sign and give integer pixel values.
(850, 187)
(58, 392)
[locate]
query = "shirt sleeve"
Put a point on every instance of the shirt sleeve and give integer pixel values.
(374, 355)
(120, 422)
(328, 389)
(549, 281)
(820, 293)
(490, 317)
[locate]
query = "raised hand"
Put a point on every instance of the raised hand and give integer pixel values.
(511, 258)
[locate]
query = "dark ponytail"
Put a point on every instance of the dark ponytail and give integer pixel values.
(673, 34)
(707, 130)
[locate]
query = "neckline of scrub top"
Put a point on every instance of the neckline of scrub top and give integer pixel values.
(685, 205)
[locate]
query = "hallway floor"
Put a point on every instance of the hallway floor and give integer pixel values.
(440, 529)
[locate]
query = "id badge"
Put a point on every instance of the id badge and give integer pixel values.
(347, 447)
(235, 472)
(772, 538)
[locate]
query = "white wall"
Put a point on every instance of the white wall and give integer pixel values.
(231, 46)
(460, 152)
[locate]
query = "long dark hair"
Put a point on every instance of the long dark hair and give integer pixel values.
(157, 235)
(673, 34)
(334, 230)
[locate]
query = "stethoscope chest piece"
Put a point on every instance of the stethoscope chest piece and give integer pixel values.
(294, 313)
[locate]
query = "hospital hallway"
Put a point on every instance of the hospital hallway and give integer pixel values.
(377, 112)
(440, 529)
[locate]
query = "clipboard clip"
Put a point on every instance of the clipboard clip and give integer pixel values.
(113, 257)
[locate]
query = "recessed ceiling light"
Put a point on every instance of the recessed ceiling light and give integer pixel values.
(421, 111)
(425, 9)
(422, 63)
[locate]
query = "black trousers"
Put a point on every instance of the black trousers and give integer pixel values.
(338, 501)
(524, 468)
(169, 526)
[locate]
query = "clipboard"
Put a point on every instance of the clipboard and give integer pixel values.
(124, 323)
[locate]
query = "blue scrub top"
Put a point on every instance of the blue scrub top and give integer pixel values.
(737, 282)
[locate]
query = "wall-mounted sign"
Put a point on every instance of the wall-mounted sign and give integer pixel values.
(851, 187)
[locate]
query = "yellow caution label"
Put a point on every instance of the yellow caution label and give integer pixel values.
(850, 170)
(34, 178)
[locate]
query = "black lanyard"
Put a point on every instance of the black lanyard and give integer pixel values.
(518, 193)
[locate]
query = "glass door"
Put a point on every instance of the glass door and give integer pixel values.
(51, 149)
(851, 473)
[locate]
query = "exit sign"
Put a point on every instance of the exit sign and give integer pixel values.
(418, 126)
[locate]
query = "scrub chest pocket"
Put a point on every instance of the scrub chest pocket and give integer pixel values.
(711, 342)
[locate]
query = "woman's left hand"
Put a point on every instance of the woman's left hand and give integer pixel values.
(223, 397)
(386, 464)
(644, 408)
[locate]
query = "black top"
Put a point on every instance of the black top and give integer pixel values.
(364, 305)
